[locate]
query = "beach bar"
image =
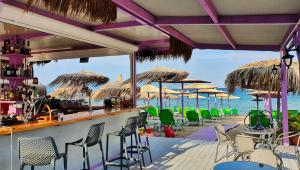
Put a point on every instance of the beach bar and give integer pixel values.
(36, 33)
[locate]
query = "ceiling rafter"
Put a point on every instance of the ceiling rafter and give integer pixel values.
(210, 9)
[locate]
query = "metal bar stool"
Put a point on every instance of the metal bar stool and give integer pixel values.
(39, 151)
(92, 138)
(142, 121)
(128, 130)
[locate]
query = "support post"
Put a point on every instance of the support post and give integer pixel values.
(182, 101)
(285, 123)
(208, 101)
(197, 100)
(278, 105)
(133, 78)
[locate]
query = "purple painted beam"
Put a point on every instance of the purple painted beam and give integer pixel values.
(209, 8)
(118, 25)
(239, 47)
(144, 16)
(229, 19)
(287, 37)
(172, 31)
(162, 42)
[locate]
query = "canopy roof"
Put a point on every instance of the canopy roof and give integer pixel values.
(210, 91)
(140, 24)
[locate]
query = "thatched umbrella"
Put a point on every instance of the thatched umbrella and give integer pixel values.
(197, 87)
(225, 95)
(82, 79)
(66, 92)
(147, 89)
(160, 74)
(208, 92)
(258, 75)
(94, 10)
(114, 89)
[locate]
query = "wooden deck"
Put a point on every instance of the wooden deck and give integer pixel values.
(176, 153)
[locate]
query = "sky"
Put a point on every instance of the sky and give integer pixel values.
(209, 65)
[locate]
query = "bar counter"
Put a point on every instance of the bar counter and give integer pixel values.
(72, 128)
(68, 119)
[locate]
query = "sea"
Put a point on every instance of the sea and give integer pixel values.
(244, 104)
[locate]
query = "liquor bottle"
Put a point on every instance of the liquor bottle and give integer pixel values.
(4, 47)
(18, 72)
(22, 71)
(8, 71)
(4, 71)
(7, 46)
(28, 50)
(23, 51)
(12, 47)
(13, 71)
(17, 47)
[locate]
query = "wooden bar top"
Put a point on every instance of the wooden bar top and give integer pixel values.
(77, 117)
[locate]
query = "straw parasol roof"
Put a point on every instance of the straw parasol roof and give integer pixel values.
(144, 96)
(166, 90)
(258, 75)
(193, 96)
(210, 91)
(160, 74)
(113, 89)
(199, 86)
(262, 93)
(66, 92)
(82, 78)
(149, 88)
(170, 96)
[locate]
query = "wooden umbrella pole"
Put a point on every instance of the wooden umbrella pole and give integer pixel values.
(160, 95)
(208, 101)
(197, 99)
(148, 98)
(215, 100)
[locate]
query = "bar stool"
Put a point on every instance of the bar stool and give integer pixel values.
(39, 151)
(92, 138)
(128, 130)
(142, 121)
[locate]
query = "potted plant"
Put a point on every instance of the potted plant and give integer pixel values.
(294, 126)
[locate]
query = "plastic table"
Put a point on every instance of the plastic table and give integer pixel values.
(242, 165)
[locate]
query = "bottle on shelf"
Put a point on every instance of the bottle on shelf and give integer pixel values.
(7, 47)
(12, 47)
(8, 71)
(17, 47)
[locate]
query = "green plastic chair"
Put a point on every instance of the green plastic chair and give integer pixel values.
(227, 111)
(166, 118)
(186, 109)
(192, 116)
(179, 109)
(264, 119)
(234, 111)
(152, 111)
(293, 112)
(214, 113)
(205, 114)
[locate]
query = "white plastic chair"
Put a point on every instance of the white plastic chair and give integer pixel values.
(264, 156)
(278, 146)
(223, 139)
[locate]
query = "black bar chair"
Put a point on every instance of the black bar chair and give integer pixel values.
(92, 138)
(125, 161)
(39, 151)
(132, 149)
